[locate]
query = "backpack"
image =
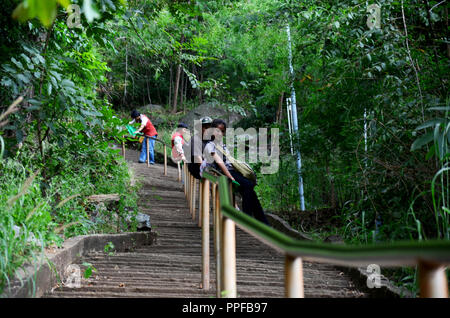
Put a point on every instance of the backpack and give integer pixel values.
(240, 166)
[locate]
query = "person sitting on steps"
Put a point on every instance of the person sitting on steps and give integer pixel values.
(150, 134)
(250, 202)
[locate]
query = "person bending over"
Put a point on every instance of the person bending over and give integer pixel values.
(149, 132)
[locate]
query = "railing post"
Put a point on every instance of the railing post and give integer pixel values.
(179, 171)
(165, 160)
(294, 277)
(186, 181)
(200, 196)
(191, 187)
(432, 280)
(205, 234)
(184, 176)
(193, 193)
(213, 193)
(218, 241)
(229, 258)
(148, 153)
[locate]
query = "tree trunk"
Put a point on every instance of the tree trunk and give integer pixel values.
(430, 35)
(177, 85)
(332, 188)
(186, 79)
(177, 81)
(280, 108)
(200, 95)
(169, 102)
(126, 74)
(182, 90)
(148, 91)
(159, 93)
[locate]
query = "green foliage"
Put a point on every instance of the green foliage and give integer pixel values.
(57, 149)
(109, 248)
(89, 269)
(44, 10)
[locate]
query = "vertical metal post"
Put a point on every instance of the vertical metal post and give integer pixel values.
(295, 121)
(205, 234)
(179, 171)
(432, 280)
(293, 277)
(289, 111)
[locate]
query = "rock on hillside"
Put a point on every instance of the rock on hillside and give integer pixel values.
(213, 110)
(150, 108)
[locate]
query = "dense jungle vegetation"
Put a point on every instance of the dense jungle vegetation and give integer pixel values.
(372, 101)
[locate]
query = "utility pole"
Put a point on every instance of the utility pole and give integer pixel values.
(295, 121)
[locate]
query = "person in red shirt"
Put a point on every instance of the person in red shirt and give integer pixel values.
(149, 132)
(178, 140)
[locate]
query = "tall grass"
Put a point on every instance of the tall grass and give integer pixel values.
(32, 219)
(22, 229)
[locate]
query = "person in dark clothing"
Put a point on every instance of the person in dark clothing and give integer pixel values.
(195, 148)
(250, 201)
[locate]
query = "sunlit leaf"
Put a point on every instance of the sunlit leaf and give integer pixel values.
(90, 11)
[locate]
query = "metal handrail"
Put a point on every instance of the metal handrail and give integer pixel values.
(430, 256)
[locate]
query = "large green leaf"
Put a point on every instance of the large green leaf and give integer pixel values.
(45, 10)
(445, 109)
(422, 141)
(430, 123)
